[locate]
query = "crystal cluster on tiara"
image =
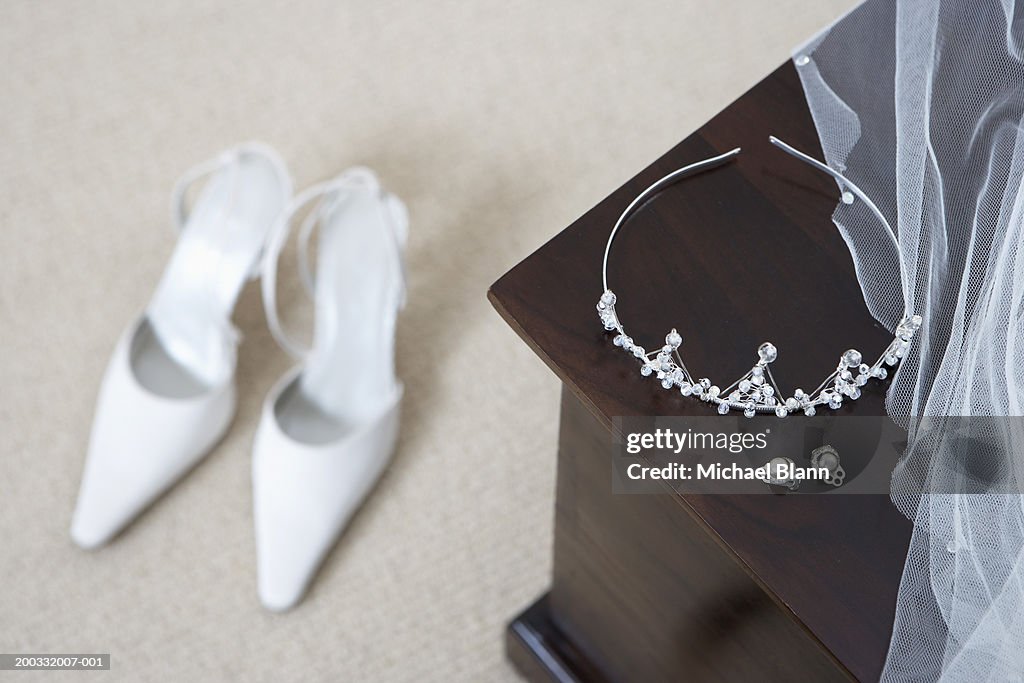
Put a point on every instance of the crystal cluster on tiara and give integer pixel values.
(756, 391)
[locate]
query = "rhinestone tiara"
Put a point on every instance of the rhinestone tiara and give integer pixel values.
(756, 391)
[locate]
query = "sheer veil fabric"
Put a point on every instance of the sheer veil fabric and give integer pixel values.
(921, 103)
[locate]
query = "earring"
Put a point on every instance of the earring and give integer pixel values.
(781, 473)
(828, 457)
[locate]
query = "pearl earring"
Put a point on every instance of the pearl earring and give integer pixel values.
(827, 457)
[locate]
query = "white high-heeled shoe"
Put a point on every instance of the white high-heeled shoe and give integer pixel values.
(168, 394)
(329, 426)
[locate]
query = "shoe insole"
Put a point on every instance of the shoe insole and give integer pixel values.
(157, 371)
(349, 375)
(190, 312)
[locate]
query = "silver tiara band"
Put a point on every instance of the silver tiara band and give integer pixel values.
(756, 391)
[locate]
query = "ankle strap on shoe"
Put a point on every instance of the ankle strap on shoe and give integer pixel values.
(327, 193)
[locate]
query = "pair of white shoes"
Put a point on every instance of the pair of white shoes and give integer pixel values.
(328, 427)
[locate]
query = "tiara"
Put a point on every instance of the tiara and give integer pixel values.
(756, 391)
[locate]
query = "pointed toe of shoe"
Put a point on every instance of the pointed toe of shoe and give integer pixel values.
(293, 531)
(111, 495)
(90, 531)
(283, 584)
(305, 494)
(141, 443)
(291, 545)
(103, 509)
(115, 488)
(280, 595)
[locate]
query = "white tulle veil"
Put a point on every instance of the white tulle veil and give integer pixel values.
(921, 104)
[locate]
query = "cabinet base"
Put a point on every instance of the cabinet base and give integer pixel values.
(541, 653)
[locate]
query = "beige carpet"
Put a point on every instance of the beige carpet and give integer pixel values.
(499, 122)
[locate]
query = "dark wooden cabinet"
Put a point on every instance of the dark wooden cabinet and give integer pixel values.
(688, 587)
